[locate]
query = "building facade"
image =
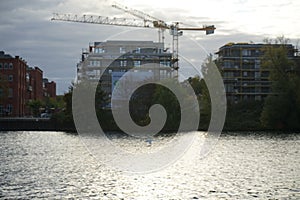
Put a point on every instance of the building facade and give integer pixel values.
(112, 59)
(244, 78)
(49, 88)
(12, 85)
(19, 84)
(34, 79)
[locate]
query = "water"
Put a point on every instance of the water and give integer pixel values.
(55, 165)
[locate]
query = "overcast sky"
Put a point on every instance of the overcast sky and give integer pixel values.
(26, 29)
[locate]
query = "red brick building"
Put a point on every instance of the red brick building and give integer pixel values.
(12, 85)
(20, 84)
(49, 88)
(35, 84)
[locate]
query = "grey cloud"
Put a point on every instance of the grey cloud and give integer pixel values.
(36, 5)
(55, 47)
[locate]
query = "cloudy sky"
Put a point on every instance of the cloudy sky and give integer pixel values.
(26, 29)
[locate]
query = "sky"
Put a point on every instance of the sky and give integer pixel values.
(55, 47)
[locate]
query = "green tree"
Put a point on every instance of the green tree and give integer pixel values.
(35, 107)
(104, 115)
(66, 113)
(140, 103)
(53, 104)
(202, 93)
(281, 108)
(168, 100)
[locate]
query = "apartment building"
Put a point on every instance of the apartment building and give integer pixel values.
(19, 84)
(12, 85)
(49, 88)
(240, 65)
(112, 59)
(34, 79)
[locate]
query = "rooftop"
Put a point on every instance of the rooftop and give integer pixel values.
(3, 55)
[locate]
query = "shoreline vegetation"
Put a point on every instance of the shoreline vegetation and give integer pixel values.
(39, 124)
(243, 118)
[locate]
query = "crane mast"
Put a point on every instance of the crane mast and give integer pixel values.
(145, 21)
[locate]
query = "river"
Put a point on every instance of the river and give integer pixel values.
(57, 165)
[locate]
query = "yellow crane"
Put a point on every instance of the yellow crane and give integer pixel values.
(145, 20)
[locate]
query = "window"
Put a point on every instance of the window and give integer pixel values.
(98, 63)
(1, 65)
(9, 108)
(10, 92)
(1, 109)
(257, 90)
(229, 88)
(95, 63)
(27, 77)
(163, 73)
(227, 64)
(246, 52)
(228, 74)
(5, 66)
(165, 63)
(99, 50)
(123, 63)
(138, 50)
(10, 78)
(257, 74)
(10, 65)
(1, 92)
(257, 64)
(122, 50)
(137, 63)
(245, 73)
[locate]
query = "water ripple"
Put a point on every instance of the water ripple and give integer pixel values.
(55, 165)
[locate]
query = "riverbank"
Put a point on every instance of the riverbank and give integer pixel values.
(34, 124)
(47, 124)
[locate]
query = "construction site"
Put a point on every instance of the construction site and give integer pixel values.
(108, 61)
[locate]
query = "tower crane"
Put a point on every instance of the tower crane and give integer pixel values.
(144, 21)
(157, 23)
(174, 28)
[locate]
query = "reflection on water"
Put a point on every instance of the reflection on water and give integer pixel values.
(57, 165)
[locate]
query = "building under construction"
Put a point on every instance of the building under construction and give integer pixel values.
(244, 78)
(107, 61)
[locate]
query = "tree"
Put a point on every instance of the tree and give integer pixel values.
(140, 103)
(65, 115)
(282, 107)
(201, 90)
(67, 111)
(168, 100)
(35, 106)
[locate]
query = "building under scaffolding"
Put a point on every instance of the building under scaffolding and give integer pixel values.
(112, 59)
